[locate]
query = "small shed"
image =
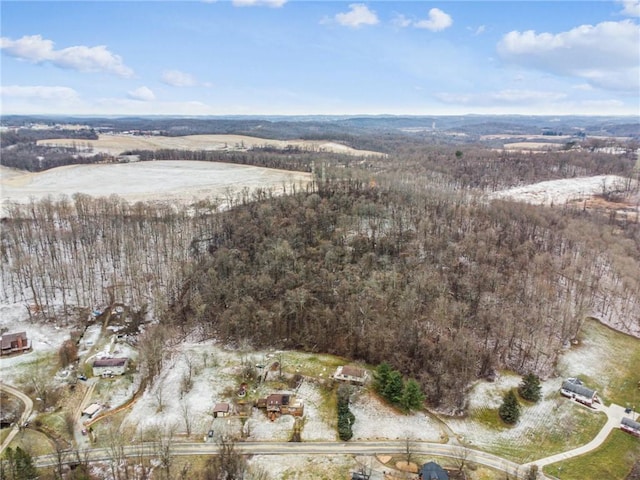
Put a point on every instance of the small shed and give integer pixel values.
(630, 426)
(432, 471)
(221, 410)
(110, 366)
(92, 410)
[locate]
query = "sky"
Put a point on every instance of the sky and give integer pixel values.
(297, 57)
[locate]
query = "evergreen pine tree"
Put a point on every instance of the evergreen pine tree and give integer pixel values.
(412, 396)
(509, 411)
(382, 377)
(530, 388)
(393, 389)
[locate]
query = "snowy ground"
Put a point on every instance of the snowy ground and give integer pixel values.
(116, 144)
(183, 181)
(562, 191)
(45, 339)
(375, 421)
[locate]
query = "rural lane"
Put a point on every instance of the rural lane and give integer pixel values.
(28, 407)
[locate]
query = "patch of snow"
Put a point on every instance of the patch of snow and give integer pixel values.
(376, 420)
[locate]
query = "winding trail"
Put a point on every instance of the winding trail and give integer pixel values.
(28, 408)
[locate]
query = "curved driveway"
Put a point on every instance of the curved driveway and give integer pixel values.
(28, 407)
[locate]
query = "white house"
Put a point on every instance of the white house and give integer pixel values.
(630, 426)
(350, 374)
(574, 388)
(107, 367)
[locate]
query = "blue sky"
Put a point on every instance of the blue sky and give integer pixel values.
(245, 57)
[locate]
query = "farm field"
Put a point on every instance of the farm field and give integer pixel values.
(117, 144)
(183, 181)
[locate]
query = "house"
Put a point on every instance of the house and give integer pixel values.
(14, 343)
(574, 388)
(221, 410)
(350, 374)
(432, 471)
(108, 367)
(276, 401)
(281, 404)
(630, 426)
(92, 410)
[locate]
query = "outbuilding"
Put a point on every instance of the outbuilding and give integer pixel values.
(92, 410)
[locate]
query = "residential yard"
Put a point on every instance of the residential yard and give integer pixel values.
(607, 361)
(613, 460)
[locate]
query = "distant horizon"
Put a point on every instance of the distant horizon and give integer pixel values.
(293, 57)
(311, 116)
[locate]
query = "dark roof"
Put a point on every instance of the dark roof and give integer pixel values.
(278, 399)
(221, 407)
(351, 371)
(110, 362)
(630, 423)
(572, 386)
(7, 338)
(433, 471)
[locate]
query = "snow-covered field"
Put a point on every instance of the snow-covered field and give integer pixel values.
(169, 180)
(558, 192)
(116, 144)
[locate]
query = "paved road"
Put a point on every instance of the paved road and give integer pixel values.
(306, 448)
(28, 408)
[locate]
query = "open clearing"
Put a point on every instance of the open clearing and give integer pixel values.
(558, 192)
(170, 180)
(117, 144)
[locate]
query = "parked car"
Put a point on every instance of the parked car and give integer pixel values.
(82, 377)
(84, 431)
(210, 434)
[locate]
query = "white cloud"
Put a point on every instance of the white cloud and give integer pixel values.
(437, 21)
(176, 78)
(358, 15)
(143, 94)
(401, 21)
(631, 8)
(38, 92)
(35, 49)
(605, 55)
(480, 30)
(259, 3)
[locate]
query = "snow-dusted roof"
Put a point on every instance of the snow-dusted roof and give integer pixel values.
(577, 387)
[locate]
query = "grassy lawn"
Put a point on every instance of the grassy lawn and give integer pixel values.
(620, 354)
(573, 426)
(33, 442)
(612, 460)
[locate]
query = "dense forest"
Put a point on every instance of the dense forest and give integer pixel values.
(443, 286)
(401, 259)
